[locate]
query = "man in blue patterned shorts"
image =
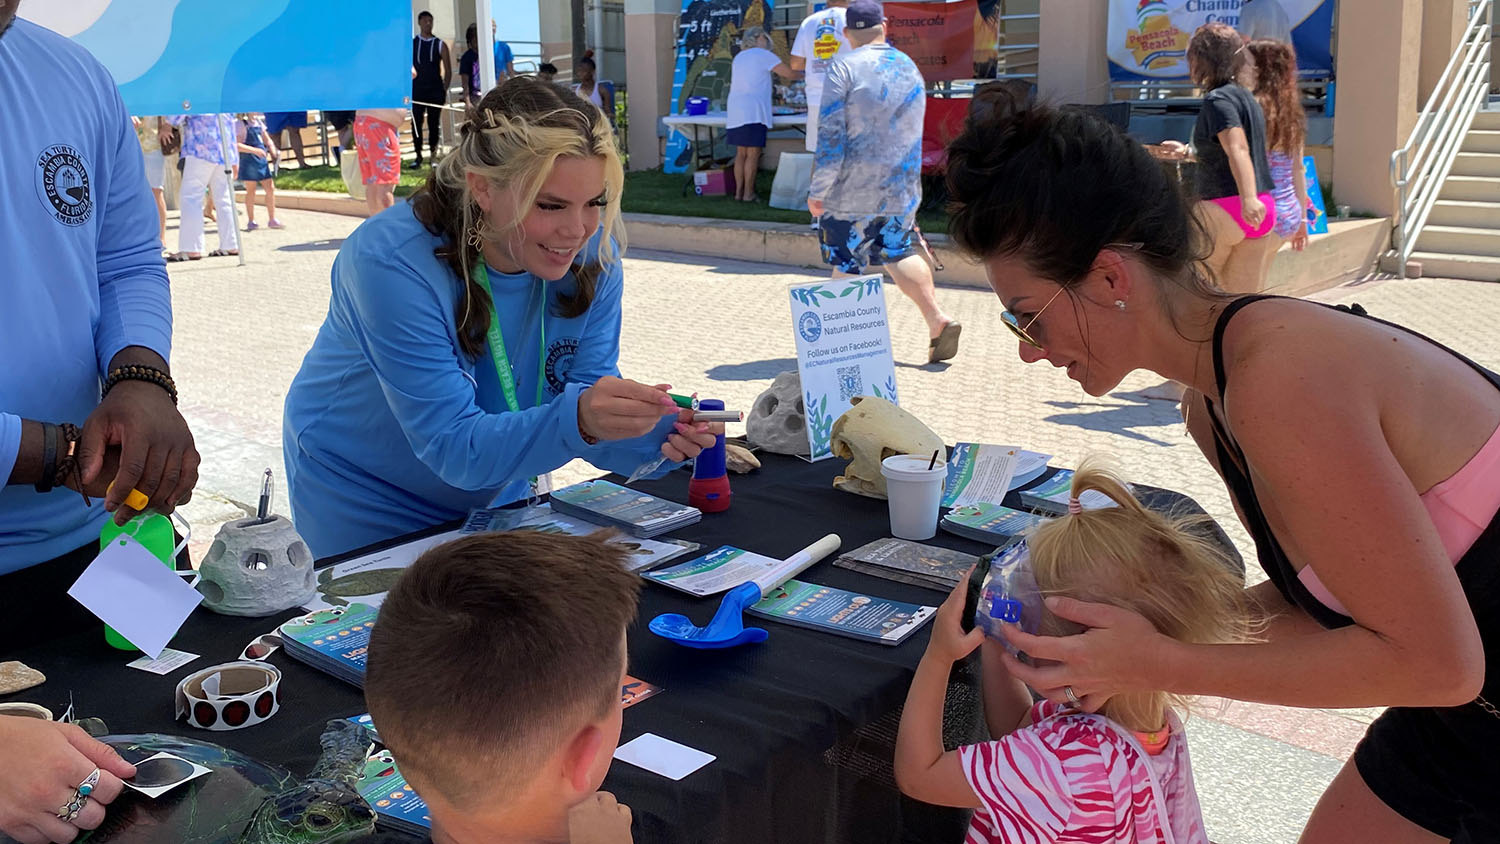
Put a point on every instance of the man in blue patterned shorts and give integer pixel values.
(867, 175)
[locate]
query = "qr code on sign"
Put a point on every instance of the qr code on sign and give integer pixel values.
(851, 383)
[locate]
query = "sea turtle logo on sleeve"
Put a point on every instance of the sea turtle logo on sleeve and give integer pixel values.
(560, 356)
(62, 183)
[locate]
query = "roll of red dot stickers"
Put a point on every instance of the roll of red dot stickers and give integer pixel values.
(230, 696)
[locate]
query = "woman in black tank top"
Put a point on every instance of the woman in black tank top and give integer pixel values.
(1308, 414)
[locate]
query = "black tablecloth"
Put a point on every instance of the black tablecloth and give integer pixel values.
(770, 712)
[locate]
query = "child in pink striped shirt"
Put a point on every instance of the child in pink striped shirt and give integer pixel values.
(1054, 772)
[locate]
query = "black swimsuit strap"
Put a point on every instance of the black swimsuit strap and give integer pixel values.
(1236, 469)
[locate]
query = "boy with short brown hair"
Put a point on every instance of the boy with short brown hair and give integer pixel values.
(494, 677)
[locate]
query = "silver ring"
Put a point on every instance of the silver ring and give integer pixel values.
(1072, 698)
(70, 810)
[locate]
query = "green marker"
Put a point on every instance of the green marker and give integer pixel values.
(686, 402)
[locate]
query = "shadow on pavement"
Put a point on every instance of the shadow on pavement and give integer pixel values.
(751, 370)
(314, 246)
(1122, 419)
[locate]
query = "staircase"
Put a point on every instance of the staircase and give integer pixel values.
(1462, 235)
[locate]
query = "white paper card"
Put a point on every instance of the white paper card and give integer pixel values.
(662, 756)
(130, 590)
(169, 661)
(161, 772)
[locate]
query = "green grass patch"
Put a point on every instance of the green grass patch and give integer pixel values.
(326, 178)
(646, 192)
(655, 192)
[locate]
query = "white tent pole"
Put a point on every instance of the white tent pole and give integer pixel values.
(488, 73)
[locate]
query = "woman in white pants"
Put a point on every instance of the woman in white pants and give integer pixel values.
(206, 139)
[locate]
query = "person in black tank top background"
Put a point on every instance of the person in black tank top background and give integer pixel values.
(429, 85)
(1325, 424)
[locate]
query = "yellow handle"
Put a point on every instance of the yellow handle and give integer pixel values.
(135, 500)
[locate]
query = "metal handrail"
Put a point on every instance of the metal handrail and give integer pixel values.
(1419, 168)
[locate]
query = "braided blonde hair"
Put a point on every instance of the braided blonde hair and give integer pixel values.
(517, 133)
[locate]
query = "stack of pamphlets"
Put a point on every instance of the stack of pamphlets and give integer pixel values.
(905, 561)
(333, 641)
(1051, 497)
(842, 612)
(990, 523)
(644, 553)
(635, 512)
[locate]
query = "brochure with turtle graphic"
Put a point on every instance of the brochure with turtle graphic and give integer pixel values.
(633, 511)
(333, 640)
(644, 553)
(368, 578)
(396, 805)
(842, 612)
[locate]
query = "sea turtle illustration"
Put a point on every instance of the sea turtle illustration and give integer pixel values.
(244, 801)
(334, 590)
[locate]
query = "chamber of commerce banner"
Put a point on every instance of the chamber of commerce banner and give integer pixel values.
(1148, 39)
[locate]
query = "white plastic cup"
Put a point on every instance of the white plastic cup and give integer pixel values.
(913, 492)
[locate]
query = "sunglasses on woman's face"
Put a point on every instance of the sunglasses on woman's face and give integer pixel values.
(1023, 332)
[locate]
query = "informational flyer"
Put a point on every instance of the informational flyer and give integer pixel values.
(842, 612)
(843, 351)
(718, 571)
(983, 474)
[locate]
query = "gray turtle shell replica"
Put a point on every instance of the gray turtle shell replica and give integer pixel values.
(244, 801)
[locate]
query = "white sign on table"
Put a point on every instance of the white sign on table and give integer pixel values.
(843, 350)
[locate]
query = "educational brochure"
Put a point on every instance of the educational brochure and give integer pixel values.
(905, 561)
(720, 570)
(644, 553)
(979, 473)
(367, 579)
(333, 640)
(1051, 497)
(396, 805)
(842, 612)
(610, 504)
(989, 522)
(634, 691)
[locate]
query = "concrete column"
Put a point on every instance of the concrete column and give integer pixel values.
(1379, 54)
(648, 74)
(1443, 25)
(1071, 64)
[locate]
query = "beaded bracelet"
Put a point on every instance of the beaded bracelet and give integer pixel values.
(141, 372)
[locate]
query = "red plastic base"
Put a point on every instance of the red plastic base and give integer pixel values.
(711, 495)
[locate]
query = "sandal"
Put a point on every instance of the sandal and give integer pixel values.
(223, 253)
(178, 257)
(275, 224)
(252, 226)
(945, 345)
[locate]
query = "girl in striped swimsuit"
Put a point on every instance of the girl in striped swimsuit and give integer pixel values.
(1054, 773)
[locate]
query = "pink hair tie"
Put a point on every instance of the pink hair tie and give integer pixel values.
(1074, 507)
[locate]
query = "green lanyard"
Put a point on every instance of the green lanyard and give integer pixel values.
(497, 344)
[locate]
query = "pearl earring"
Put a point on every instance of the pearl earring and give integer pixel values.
(1120, 303)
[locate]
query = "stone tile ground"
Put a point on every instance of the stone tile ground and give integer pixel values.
(722, 328)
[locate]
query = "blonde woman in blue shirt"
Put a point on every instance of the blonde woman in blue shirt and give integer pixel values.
(421, 400)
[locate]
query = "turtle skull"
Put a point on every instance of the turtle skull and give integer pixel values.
(870, 431)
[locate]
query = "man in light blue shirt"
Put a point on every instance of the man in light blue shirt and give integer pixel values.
(867, 174)
(85, 395)
(505, 58)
